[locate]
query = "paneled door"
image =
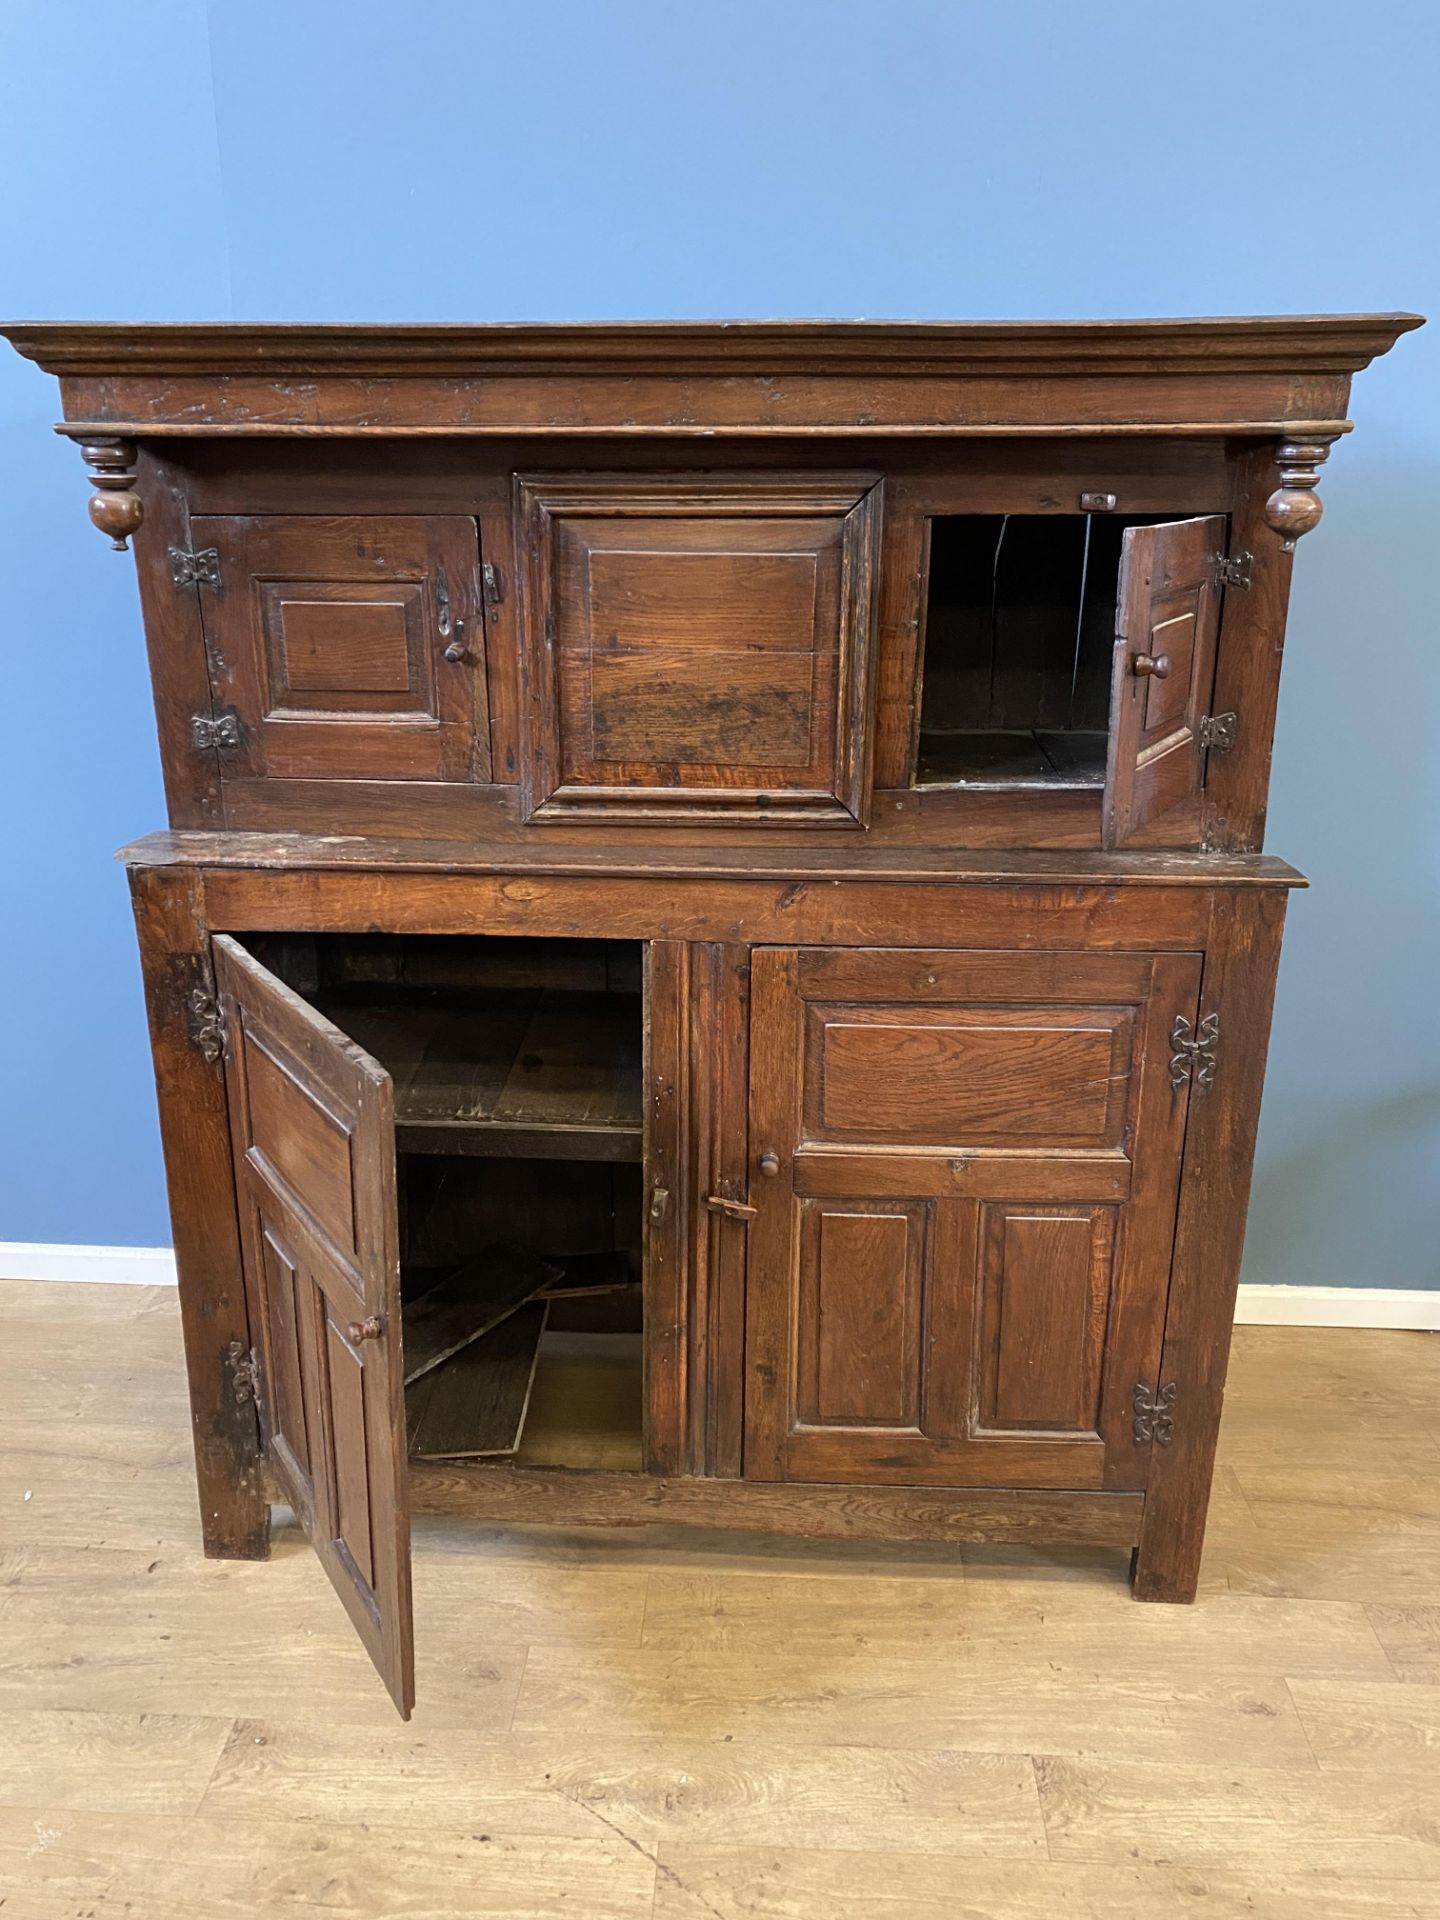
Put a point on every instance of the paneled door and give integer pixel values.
(698, 647)
(346, 647)
(965, 1169)
(313, 1135)
(1163, 670)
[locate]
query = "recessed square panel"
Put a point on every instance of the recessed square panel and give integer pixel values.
(341, 647)
(698, 648)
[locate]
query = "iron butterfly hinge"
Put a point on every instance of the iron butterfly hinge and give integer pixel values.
(1154, 1415)
(244, 1368)
(1193, 1051)
(1218, 732)
(206, 1024)
(216, 731)
(194, 569)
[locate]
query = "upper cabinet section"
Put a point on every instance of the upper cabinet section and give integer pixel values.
(864, 586)
(697, 648)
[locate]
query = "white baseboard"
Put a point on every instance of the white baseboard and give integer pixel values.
(1258, 1306)
(1263, 1306)
(121, 1266)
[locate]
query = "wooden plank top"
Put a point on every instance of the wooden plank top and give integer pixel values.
(1204, 376)
(294, 852)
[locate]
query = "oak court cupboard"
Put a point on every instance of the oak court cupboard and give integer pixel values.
(725, 861)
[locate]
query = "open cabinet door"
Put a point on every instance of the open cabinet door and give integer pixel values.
(313, 1133)
(1164, 669)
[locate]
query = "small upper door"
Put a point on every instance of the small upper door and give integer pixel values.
(966, 1168)
(346, 648)
(1167, 618)
(697, 647)
(313, 1133)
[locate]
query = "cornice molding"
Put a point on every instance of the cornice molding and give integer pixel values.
(1319, 343)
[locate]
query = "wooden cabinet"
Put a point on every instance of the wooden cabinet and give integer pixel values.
(713, 951)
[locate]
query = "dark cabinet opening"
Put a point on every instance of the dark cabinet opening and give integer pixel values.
(517, 1068)
(1020, 623)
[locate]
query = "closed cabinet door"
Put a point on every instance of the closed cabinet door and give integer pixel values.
(313, 1136)
(345, 647)
(697, 647)
(965, 1168)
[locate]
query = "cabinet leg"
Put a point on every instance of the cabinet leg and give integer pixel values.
(195, 1135)
(233, 1526)
(234, 1503)
(1242, 952)
(1173, 1576)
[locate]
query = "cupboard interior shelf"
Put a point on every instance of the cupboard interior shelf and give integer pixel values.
(1012, 757)
(507, 1073)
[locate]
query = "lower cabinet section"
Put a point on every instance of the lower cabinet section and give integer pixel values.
(480, 1183)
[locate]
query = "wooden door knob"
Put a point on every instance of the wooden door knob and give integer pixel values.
(361, 1330)
(1153, 666)
(770, 1165)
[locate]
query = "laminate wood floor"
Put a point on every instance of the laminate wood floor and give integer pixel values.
(713, 1727)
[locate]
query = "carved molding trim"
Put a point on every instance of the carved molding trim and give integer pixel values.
(1283, 344)
(1295, 507)
(115, 507)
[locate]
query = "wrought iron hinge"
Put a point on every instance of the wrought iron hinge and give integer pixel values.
(1194, 1051)
(731, 1209)
(200, 569)
(1217, 731)
(1154, 1415)
(492, 584)
(212, 730)
(1236, 571)
(207, 1025)
(244, 1368)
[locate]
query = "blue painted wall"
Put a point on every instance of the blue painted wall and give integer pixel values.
(626, 158)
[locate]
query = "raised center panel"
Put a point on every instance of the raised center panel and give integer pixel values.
(697, 647)
(925, 1076)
